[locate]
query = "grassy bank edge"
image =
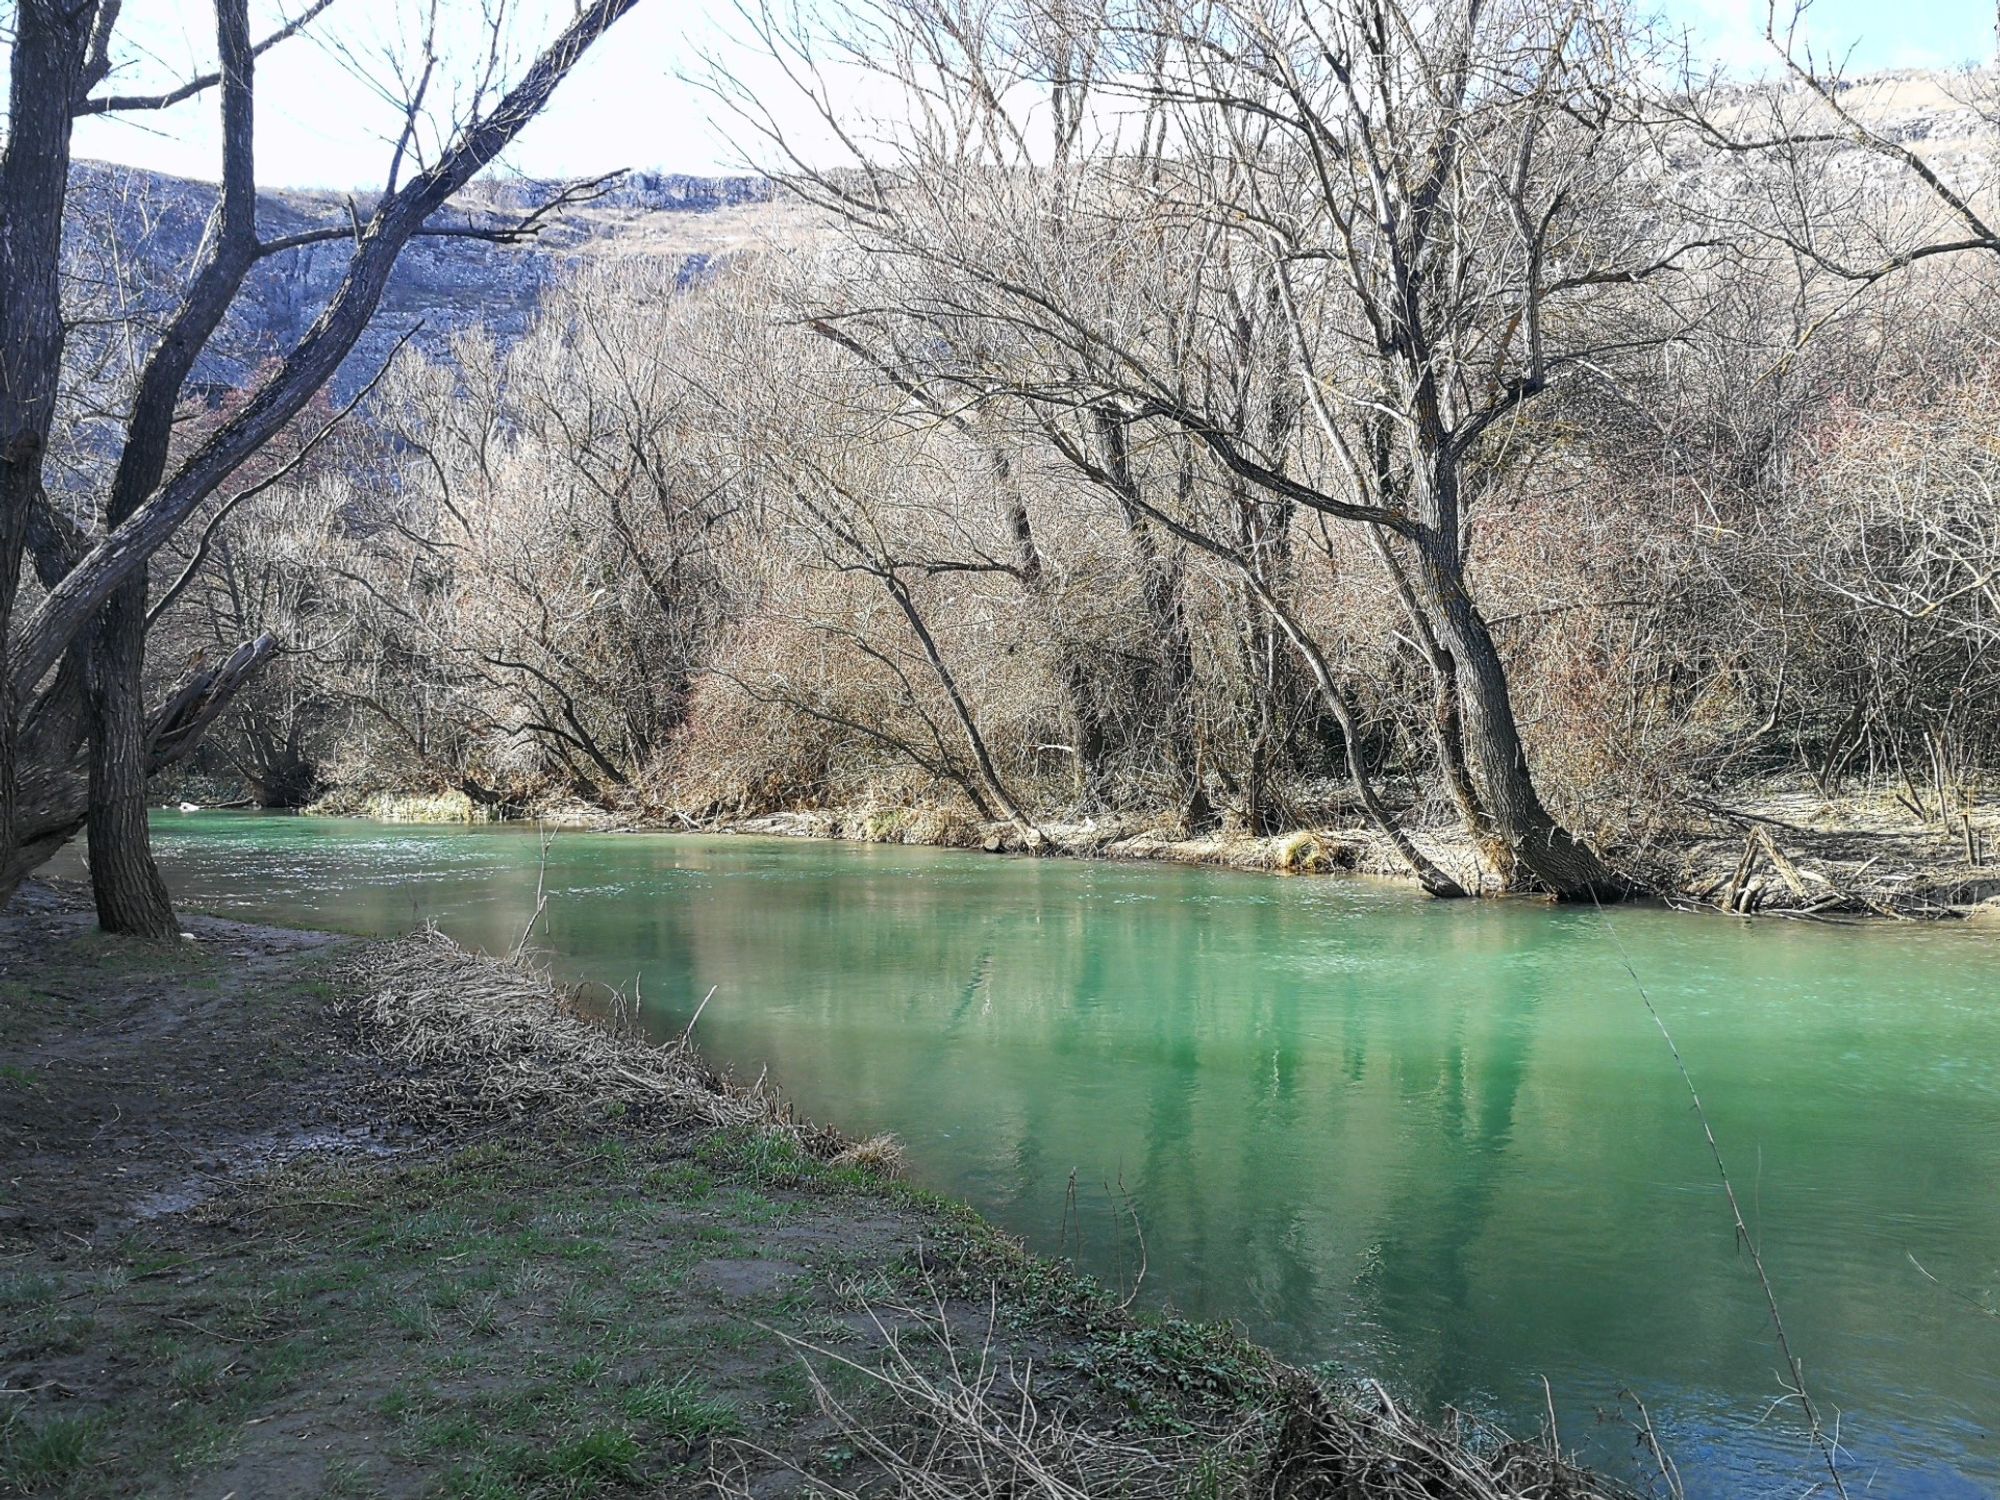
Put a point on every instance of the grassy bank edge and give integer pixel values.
(1850, 859)
(515, 1122)
(1186, 1408)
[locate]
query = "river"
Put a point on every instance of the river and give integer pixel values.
(1442, 1143)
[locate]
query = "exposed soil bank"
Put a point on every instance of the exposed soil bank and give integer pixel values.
(284, 1213)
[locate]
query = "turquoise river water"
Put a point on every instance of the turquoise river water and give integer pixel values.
(1440, 1143)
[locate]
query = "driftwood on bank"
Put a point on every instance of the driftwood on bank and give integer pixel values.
(1831, 872)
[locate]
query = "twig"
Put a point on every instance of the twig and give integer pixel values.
(547, 836)
(1826, 1445)
(688, 1035)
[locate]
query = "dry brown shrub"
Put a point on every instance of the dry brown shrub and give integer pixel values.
(942, 1416)
(475, 1038)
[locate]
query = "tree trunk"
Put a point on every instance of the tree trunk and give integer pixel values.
(45, 79)
(1166, 615)
(1570, 869)
(131, 897)
(1261, 681)
(1447, 716)
(1448, 734)
(1071, 663)
(37, 642)
(1432, 878)
(962, 711)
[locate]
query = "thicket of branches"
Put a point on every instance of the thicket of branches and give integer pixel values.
(1248, 416)
(113, 454)
(677, 550)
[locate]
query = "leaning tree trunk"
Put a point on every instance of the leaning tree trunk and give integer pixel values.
(962, 711)
(1447, 716)
(1569, 868)
(1429, 874)
(1448, 734)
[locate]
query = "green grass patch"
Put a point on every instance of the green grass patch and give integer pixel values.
(49, 1455)
(682, 1410)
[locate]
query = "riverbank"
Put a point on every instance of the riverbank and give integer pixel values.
(291, 1213)
(1778, 849)
(1774, 852)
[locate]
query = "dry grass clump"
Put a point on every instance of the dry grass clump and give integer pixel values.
(478, 1037)
(943, 827)
(925, 823)
(1330, 1446)
(402, 807)
(939, 1417)
(1302, 853)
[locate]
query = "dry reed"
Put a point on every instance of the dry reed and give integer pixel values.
(476, 1038)
(939, 1416)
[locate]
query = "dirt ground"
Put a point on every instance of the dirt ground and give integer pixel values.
(128, 1100)
(230, 1267)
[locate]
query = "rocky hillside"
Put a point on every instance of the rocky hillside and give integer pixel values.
(134, 233)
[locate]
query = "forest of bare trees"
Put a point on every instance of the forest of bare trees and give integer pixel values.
(100, 466)
(1460, 422)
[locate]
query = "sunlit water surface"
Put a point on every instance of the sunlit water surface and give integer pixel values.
(1442, 1143)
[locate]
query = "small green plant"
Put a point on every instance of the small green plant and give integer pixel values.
(196, 1377)
(886, 825)
(27, 1290)
(681, 1410)
(41, 1457)
(600, 1454)
(767, 1159)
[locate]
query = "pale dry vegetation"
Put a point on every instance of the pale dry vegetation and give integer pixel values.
(676, 555)
(1452, 436)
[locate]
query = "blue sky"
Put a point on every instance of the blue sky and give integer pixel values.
(1882, 33)
(627, 106)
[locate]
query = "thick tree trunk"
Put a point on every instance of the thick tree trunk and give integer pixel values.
(1447, 716)
(1448, 734)
(45, 82)
(280, 777)
(1570, 869)
(131, 897)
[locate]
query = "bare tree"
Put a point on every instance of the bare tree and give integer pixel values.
(94, 597)
(1448, 210)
